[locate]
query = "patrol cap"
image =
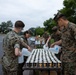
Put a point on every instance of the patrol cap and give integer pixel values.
(58, 15)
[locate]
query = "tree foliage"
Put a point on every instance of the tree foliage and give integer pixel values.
(49, 24)
(39, 31)
(32, 30)
(6, 27)
(69, 10)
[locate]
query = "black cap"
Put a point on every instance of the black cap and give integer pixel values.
(58, 15)
(27, 32)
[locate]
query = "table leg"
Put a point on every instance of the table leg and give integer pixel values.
(48, 72)
(59, 72)
(33, 72)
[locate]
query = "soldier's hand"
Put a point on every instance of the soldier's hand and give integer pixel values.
(52, 45)
(49, 38)
(29, 49)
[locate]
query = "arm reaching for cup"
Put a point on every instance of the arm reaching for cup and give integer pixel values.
(56, 43)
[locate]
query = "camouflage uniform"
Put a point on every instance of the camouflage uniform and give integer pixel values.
(69, 49)
(56, 37)
(9, 60)
(25, 40)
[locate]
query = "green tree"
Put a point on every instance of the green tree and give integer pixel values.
(9, 24)
(32, 30)
(69, 10)
(48, 24)
(39, 31)
(6, 27)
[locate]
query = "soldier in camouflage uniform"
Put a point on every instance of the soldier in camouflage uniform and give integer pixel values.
(68, 40)
(12, 46)
(56, 35)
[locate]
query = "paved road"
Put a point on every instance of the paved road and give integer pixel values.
(1, 52)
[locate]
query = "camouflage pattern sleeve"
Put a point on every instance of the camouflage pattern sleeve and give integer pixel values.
(17, 46)
(23, 43)
(73, 30)
(14, 40)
